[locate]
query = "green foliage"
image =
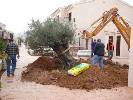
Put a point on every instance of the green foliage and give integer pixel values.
(2, 45)
(52, 33)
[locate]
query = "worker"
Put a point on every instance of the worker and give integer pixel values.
(93, 44)
(110, 49)
(98, 54)
(11, 50)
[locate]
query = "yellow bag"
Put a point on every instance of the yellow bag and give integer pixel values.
(78, 69)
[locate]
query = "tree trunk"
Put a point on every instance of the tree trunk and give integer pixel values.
(67, 60)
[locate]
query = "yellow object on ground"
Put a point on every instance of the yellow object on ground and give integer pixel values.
(78, 69)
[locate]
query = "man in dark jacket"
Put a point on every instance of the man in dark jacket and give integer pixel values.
(98, 54)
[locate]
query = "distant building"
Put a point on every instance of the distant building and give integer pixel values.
(5, 34)
(2, 26)
(85, 12)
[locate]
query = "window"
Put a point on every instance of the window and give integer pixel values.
(86, 44)
(73, 19)
(70, 16)
(118, 42)
(58, 18)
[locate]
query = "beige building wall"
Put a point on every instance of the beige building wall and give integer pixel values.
(85, 12)
(130, 73)
(88, 11)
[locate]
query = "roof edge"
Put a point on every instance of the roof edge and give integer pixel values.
(126, 3)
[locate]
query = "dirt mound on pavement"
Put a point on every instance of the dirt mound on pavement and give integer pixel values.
(41, 72)
(45, 63)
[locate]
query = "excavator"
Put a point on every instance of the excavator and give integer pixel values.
(108, 16)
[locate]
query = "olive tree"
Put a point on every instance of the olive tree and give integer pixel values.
(55, 34)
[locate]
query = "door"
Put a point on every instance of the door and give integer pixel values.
(118, 42)
(86, 44)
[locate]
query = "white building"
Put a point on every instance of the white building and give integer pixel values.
(5, 34)
(2, 26)
(130, 73)
(85, 12)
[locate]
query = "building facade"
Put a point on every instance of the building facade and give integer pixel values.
(130, 72)
(85, 12)
(5, 34)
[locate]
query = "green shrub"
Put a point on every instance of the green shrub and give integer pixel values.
(2, 45)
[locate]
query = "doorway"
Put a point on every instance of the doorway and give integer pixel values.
(118, 42)
(87, 44)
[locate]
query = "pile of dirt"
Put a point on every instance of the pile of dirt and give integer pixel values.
(45, 63)
(116, 64)
(41, 72)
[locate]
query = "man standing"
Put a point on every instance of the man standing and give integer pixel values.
(110, 49)
(98, 54)
(93, 44)
(11, 50)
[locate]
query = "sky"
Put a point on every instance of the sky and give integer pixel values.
(16, 14)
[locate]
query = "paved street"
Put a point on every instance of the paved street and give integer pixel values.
(14, 89)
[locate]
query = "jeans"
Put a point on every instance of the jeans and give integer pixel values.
(11, 61)
(110, 54)
(98, 59)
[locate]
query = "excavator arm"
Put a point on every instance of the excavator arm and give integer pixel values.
(108, 16)
(124, 29)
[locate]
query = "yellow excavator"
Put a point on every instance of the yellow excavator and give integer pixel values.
(108, 16)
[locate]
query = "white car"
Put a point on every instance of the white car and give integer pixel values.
(84, 53)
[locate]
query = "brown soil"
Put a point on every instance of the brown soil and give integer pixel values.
(45, 71)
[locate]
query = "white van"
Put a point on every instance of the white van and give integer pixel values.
(84, 53)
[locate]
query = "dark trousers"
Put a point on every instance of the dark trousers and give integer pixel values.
(11, 61)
